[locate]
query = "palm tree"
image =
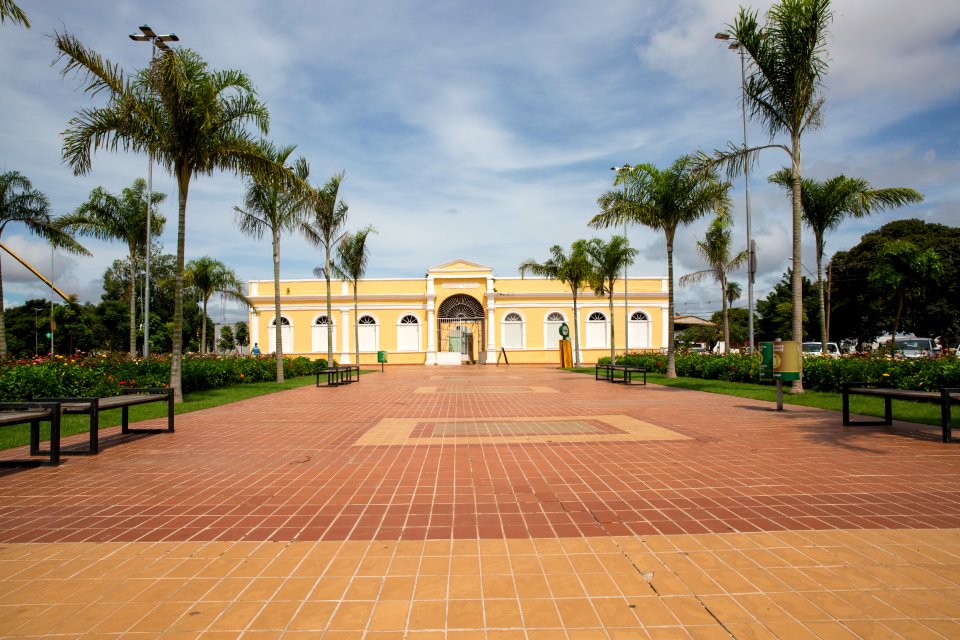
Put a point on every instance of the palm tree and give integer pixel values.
(826, 204)
(733, 292)
(329, 214)
(271, 204)
(788, 57)
(574, 270)
(9, 9)
(904, 268)
(352, 257)
(664, 200)
(106, 216)
(20, 202)
(196, 125)
(607, 261)
(207, 276)
(715, 250)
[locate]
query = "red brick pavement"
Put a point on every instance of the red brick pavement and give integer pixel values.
(505, 452)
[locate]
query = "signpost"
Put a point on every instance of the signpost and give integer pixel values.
(787, 365)
(566, 353)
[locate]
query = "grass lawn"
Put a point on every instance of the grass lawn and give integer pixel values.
(920, 412)
(19, 435)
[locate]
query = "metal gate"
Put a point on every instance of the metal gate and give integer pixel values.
(460, 327)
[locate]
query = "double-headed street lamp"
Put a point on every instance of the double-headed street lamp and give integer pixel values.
(751, 249)
(159, 42)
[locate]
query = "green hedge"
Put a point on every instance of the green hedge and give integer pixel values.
(819, 373)
(105, 375)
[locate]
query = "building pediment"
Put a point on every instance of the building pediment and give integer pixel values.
(459, 267)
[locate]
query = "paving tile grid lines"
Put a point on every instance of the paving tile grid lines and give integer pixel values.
(488, 502)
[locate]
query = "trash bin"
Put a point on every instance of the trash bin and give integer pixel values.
(381, 359)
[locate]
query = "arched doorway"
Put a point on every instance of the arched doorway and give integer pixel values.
(460, 327)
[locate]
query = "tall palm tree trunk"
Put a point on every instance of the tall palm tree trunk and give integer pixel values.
(823, 305)
(726, 319)
(576, 331)
(356, 326)
(176, 357)
(796, 279)
(276, 305)
(671, 352)
(326, 274)
(203, 329)
(612, 341)
(133, 307)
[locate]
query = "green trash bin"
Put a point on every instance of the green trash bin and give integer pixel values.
(381, 359)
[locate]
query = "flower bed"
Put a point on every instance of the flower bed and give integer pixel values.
(819, 373)
(106, 375)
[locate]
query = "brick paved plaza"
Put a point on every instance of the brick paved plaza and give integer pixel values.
(489, 503)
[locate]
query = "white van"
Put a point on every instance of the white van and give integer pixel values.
(816, 349)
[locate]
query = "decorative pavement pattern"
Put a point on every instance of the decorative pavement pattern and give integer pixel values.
(500, 503)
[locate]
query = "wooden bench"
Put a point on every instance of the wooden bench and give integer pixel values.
(337, 376)
(626, 371)
(14, 413)
(945, 397)
(126, 399)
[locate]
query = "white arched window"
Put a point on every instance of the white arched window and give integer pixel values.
(597, 331)
(512, 331)
(408, 333)
(286, 335)
(321, 326)
(367, 333)
(551, 329)
(639, 335)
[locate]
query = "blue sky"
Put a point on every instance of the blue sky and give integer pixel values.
(486, 131)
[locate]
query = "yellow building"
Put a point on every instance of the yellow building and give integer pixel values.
(460, 312)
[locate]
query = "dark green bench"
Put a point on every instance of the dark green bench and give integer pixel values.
(945, 397)
(15, 413)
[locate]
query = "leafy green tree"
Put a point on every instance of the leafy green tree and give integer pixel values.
(197, 124)
(241, 333)
(353, 254)
(21, 203)
(827, 203)
(664, 199)
(323, 229)
(860, 308)
(273, 204)
(227, 343)
(733, 292)
(715, 251)
(776, 310)
(572, 269)
(903, 270)
(107, 216)
(788, 63)
(207, 276)
(607, 262)
(10, 10)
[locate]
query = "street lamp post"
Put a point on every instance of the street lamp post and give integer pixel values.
(158, 42)
(751, 249)
(626, 305)
(36, 323)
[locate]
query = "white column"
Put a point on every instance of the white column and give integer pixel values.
(345, 331)
(255, 329)
(580, 329)
(666, 328)
(431, 326)
(491, 323)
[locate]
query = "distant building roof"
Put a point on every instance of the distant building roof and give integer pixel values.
(692, 321)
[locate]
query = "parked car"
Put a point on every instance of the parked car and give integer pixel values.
(914, 347)
(816, 349)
